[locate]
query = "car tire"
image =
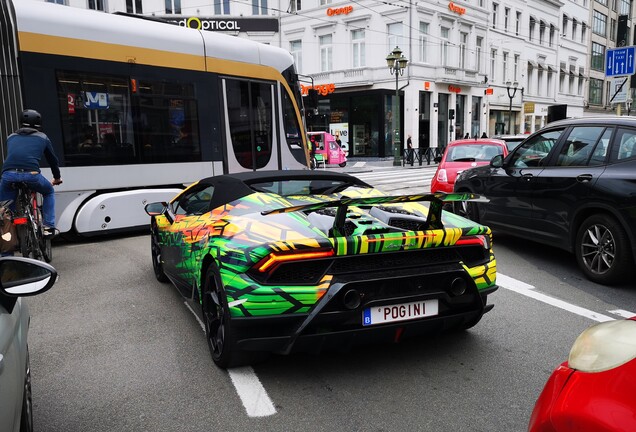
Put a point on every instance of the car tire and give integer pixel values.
(155, 252)
(342, 165)
(466, 209)
(218, 324)
(602, 250)
(26, 418)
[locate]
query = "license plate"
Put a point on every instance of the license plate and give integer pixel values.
(400, 312)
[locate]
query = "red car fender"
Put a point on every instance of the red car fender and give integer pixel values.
(587, 402)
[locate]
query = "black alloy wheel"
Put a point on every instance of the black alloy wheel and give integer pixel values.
(216, 317)
(602, 250)
(155, 252)
(466, 209)
(26, 418)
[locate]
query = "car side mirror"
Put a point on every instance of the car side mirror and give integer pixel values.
(497, 161)
(156, 208)
(25, 276)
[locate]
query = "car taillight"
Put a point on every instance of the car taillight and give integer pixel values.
(476, 240)
(275, 258)
(441, 176)
(19, 221)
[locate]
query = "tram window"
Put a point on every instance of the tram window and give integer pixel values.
(103, 124)
(168, 125)
(96, 119)
(249, 106)
(292, 129)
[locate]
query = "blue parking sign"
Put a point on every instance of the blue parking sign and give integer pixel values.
(619, 61)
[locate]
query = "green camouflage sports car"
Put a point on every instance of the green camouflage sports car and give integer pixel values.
(303, 260)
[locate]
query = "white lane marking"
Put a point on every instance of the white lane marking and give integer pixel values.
(252, 393)
(622, 313)
(359, 164)
(255, 399)
(528, 291)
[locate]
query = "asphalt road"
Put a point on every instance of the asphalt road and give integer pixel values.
(112, 349)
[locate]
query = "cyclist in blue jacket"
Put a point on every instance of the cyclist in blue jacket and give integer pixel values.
(25, 148)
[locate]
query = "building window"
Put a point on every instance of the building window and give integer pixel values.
(564, 33)
(574, 28)
(581, 80)
(552, 31)
(294, 6)
(623, 7)
(504, 68)
(221, 7)
(259, 7)
(598, 56)
(531, 29)
(326, 53)
(462, 50)
(518, 24)
(541, 32)
(599, 24)
(324, 2)
(62, 2)
(515, 75)
(583, 32)
(562, 74)
(506, 18)
(603, 2)
(445, 32)
(479, 47)
(423, 42)
(296, 50)
(596, 91)
(612, 29)
(540, 81)
(493, 63)
(394, 32)
(134, 7)
(96, 5)
(572, 75)
(495, 11)
(357, 43)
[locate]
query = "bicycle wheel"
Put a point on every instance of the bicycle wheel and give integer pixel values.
(44, 244)
(24, 238)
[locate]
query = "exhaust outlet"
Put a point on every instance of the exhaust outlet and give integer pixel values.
(458, 286)
(351, 299)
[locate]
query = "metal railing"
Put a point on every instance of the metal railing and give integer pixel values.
(420, 154)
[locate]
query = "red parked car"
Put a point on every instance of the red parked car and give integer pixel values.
(594, 390)
(461, 155)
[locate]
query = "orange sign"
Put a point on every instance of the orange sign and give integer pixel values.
(454, 89)
(345, 10)
(323, 89)
(457, 9)
(488, 91)
(427, 85)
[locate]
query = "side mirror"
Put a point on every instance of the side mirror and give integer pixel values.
(497, 161)
(25, 276)
(156, 208)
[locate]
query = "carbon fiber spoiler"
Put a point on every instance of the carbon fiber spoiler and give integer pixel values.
(433, 220)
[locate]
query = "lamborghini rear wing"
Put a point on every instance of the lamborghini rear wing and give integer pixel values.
(433, 220)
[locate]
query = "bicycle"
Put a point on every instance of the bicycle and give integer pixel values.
(29, 224)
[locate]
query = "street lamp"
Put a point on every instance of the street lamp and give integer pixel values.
(511, 95)
(396, 63)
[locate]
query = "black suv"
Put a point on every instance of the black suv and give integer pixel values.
(571, 185)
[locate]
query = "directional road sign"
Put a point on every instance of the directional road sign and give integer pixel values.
(619, 61)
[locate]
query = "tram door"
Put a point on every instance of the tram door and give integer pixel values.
(251, 143)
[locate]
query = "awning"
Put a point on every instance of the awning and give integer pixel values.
(531, 63)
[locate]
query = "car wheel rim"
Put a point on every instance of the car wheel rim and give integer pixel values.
(156, 253)
(598, 249)
(27, 396)
(214, 321)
